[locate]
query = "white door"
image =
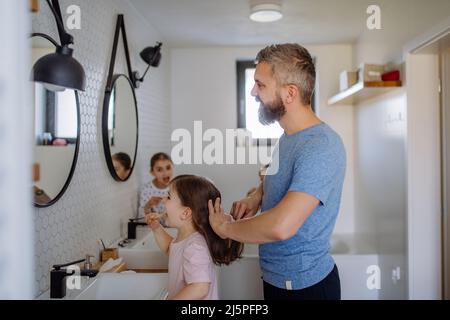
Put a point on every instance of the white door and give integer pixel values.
(16, 246)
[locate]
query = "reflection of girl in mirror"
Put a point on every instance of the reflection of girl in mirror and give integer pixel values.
(122, 164)
(152, 193)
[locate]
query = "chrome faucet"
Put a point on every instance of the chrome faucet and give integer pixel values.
(58, 274)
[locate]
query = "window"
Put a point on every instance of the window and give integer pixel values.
(112, 118)
(65, 126)
(56, 114)
(248, 107)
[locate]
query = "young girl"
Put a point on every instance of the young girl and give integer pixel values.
(196, 249)
(151, 195)
(122, 164)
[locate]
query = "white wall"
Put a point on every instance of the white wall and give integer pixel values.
(380, 184)
(400, 23)
(393, 173)
(204, 87)
(94, 205)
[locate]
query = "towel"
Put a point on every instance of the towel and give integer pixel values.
(109, 264)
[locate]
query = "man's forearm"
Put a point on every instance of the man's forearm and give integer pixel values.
(259, 193)
(276, 224)
(257, 196)
(259, 229)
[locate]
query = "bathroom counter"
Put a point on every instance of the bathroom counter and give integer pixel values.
(123, 267)
(119, 268)
(150, 270)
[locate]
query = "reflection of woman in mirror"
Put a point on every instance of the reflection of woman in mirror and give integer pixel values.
(122, 164)
(152, 193)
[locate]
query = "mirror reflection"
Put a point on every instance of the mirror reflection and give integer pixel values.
(122, 128)
(122, 164)
(56, 134)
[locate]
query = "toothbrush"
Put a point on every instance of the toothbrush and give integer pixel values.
(101, 241)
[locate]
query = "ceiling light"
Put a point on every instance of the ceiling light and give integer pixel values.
(266, 12)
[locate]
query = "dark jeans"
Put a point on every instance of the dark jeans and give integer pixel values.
(327, 289)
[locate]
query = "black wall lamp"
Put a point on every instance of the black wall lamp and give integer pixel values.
(59, 70)
(152, 57)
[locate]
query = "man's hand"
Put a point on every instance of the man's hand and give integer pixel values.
(218, 219)
(245, 208)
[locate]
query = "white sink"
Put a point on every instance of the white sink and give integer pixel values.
(126, 286)
(144, 259)
(144, 252)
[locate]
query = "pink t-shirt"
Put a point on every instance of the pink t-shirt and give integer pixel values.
(190, 262)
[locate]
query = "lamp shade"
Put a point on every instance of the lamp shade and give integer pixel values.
(152, 55)
(60, 70)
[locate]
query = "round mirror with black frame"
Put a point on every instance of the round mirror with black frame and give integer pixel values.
(120, 114)
(56, 130)
(120, 127)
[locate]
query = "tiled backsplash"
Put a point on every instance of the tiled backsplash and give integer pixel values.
(95, 206)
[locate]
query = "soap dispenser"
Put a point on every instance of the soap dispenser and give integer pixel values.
(87, 262)
(87, 270)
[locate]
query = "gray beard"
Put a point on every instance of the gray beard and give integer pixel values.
(270, 112)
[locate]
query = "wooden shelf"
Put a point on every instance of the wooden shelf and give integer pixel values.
(362, 91)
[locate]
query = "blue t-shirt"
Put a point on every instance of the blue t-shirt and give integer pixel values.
(311, 161)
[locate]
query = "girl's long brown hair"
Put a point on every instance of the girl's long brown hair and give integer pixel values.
(194, 192)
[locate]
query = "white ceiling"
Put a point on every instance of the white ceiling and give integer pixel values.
(226, 23)
(196, 23)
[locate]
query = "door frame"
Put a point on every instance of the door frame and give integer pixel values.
(424, 162)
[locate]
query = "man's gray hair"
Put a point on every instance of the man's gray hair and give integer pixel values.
(291, 65)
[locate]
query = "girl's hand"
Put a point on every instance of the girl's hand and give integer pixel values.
(152, 220)
(151, 203)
